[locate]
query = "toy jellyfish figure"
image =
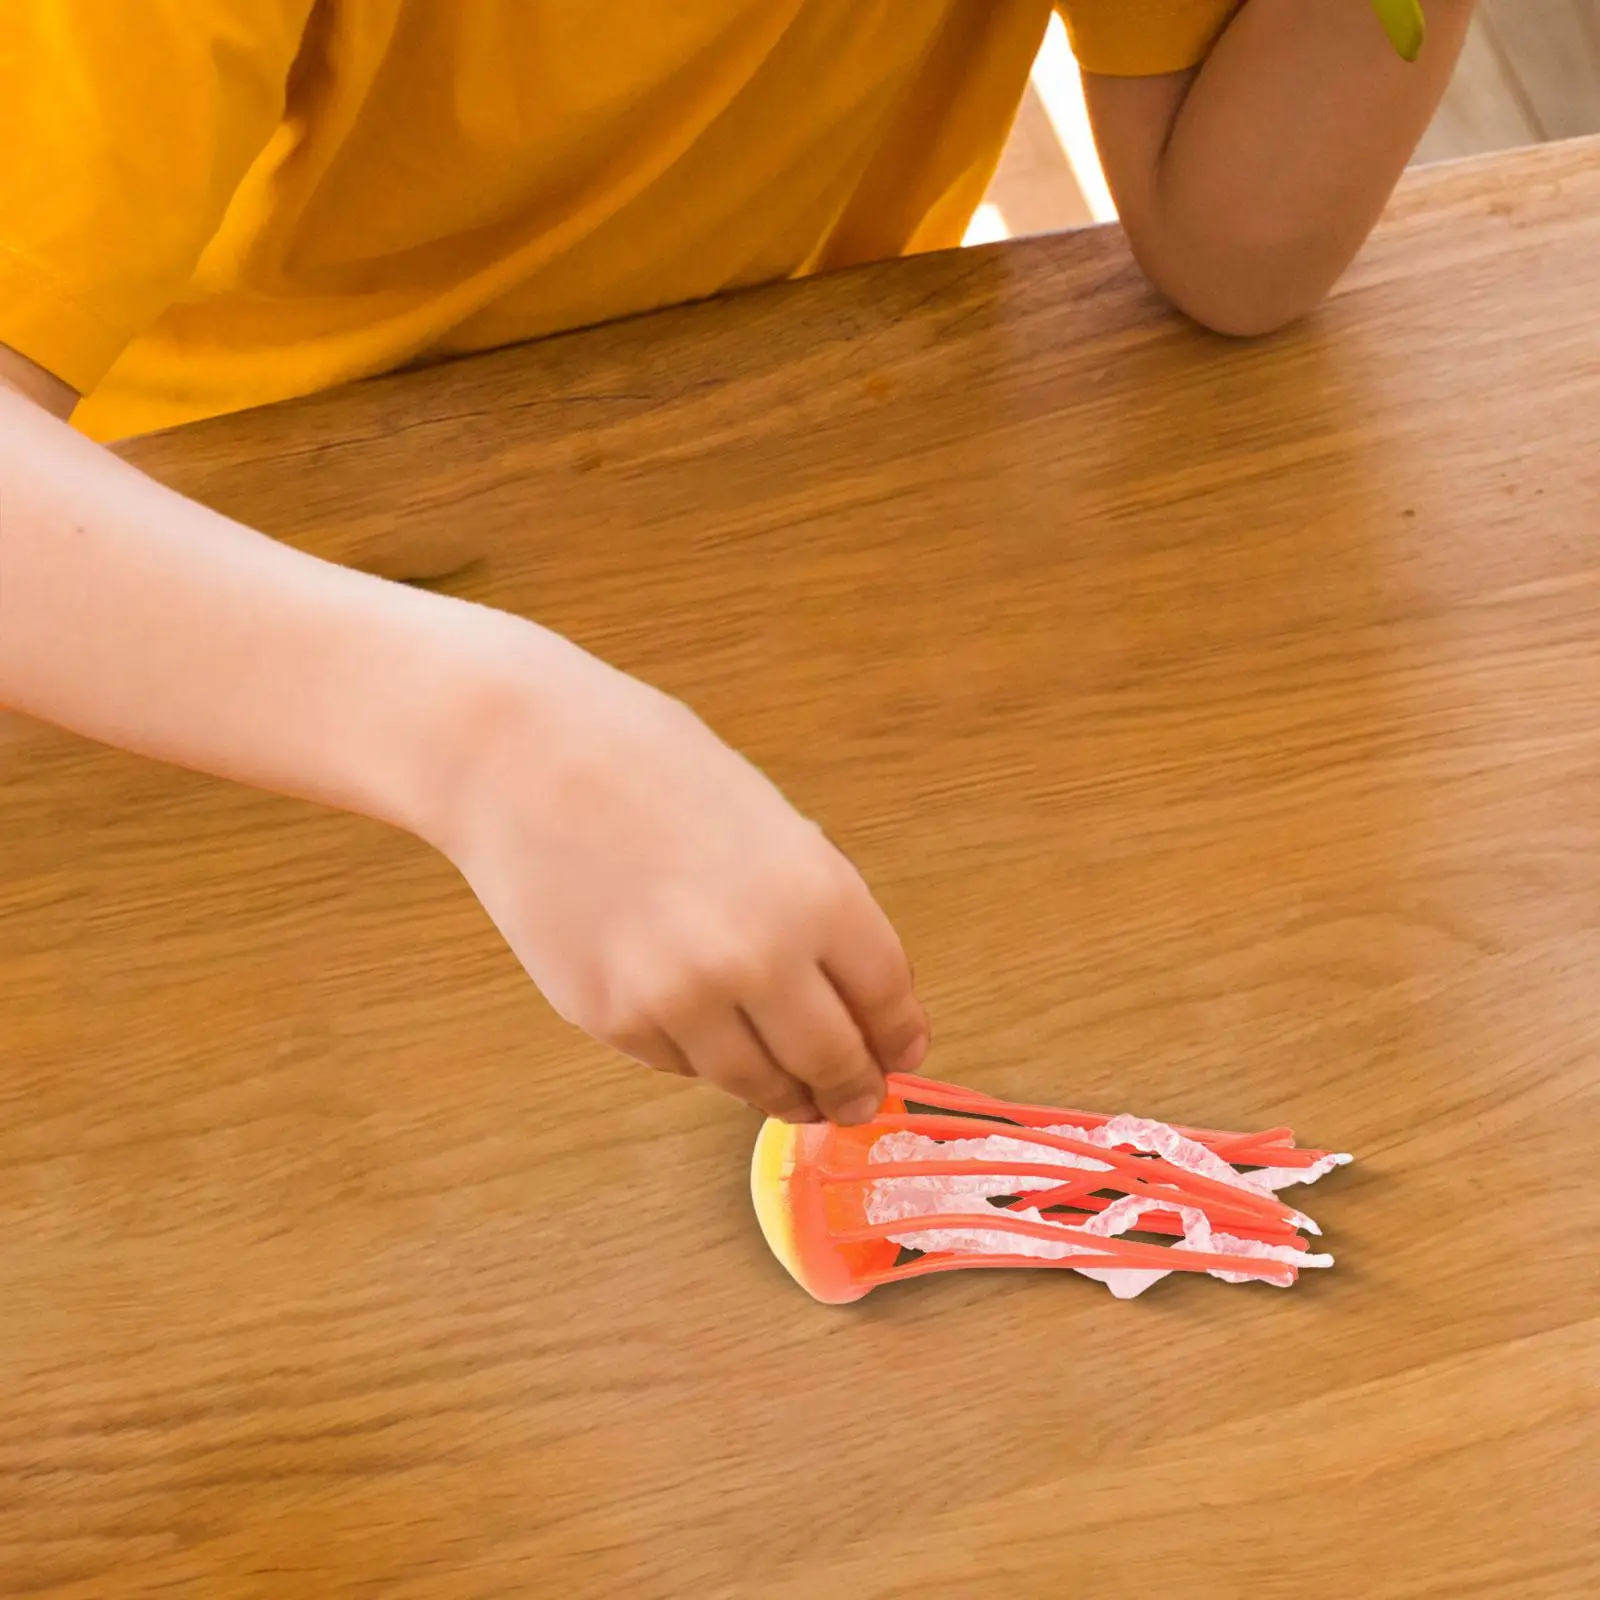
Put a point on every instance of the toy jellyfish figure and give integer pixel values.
(945, 1178)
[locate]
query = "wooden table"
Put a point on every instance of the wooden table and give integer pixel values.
(1221, 725)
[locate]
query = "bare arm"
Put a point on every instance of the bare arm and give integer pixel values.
(1247, 186)
(658, 889)
(141, 619)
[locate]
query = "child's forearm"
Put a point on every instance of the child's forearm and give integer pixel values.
(1249, 197)
(139, 618)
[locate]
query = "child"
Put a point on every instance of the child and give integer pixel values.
(211, 204)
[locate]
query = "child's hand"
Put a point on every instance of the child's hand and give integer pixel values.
(666, 898)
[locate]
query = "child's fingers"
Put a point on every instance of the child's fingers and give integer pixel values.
(811, 1033)
(724, 1049)
(868, 968)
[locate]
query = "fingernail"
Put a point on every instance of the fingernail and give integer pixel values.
(854, 1112)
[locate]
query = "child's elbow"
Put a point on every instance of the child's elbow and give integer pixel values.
(1246, 288)
(1251, 312)
(1247, 322)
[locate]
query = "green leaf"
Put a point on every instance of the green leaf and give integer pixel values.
(1405, 24)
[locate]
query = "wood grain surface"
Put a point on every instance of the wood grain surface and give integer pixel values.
(1222, 726)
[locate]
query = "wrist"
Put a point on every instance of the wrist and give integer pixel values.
(463, 684)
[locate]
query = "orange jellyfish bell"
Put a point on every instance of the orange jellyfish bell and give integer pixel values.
(946, 1178)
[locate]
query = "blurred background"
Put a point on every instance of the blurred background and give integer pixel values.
(1530, 72)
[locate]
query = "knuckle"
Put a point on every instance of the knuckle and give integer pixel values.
(617, 1020)
(718, 958)
(899, 1026)
(732, 970)
(886, 969)
(837, 891)
(788, 1106)
(882, 990)
(582, 1007)
(771, 1092)
(842, 1073)
(645, 1005)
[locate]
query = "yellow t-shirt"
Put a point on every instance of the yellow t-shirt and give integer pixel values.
(210, 204)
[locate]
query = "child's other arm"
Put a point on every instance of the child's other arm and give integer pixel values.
(1248, 185)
